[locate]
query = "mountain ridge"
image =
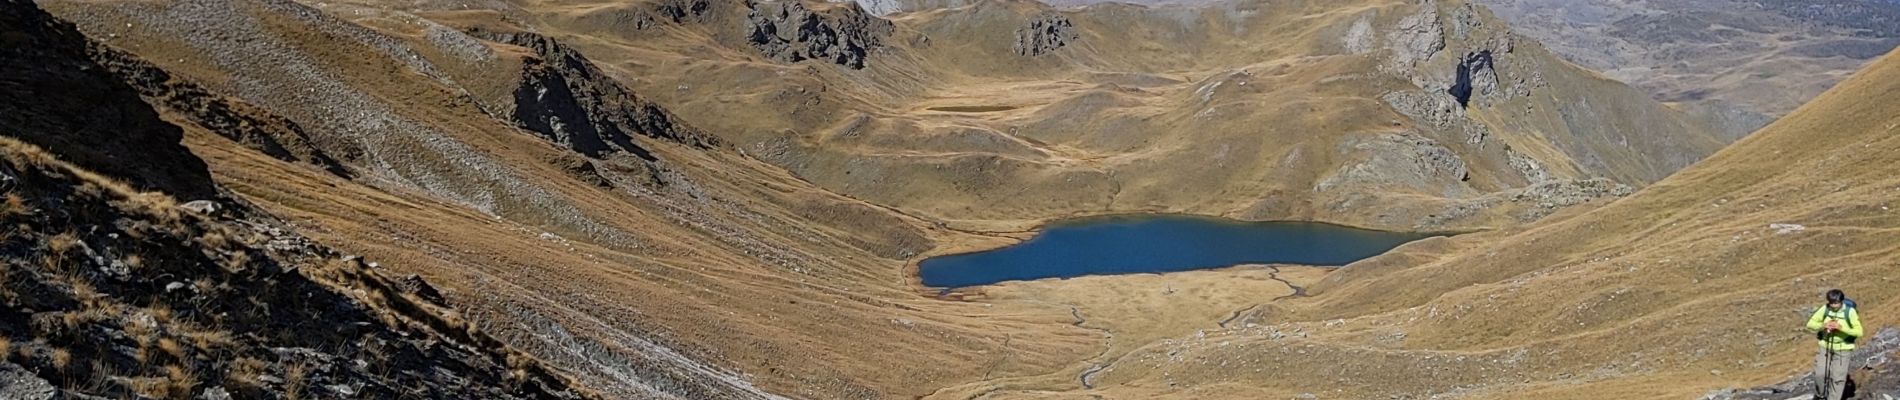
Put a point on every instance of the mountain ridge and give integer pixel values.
(727, 199)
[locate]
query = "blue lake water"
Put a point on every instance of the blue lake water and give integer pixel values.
(1158, 243)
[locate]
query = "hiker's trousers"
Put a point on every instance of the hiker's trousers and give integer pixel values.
(1830, 373)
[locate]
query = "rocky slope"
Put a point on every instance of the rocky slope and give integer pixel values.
(681, 269)
(998, 114)
(1760, 58)
(116, 293)
(563, 96)
(112, 291)
(661, 202)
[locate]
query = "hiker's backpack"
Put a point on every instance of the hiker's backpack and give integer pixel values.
(1847, 311)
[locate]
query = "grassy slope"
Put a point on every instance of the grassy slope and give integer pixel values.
(695, 286)
(1238, 109)
(1677, 290)
(753, 272)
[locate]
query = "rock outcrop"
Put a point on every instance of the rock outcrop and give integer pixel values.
(683, 10)
(792, 31)
(1475, 76)
(118, 293)
(111, 290)
(232, 118)
(59, 99)
(1044, 33)
(568, 100)
(1406, 161)
(1465, 64)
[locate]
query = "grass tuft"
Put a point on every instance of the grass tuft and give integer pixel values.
(62, 243)
(172, 347)
(62, 359)
(294, 381)
(12, 205)
(246, 372)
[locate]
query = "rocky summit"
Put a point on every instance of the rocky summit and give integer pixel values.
(731, 199)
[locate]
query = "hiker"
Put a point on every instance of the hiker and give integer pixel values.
(1837, 326)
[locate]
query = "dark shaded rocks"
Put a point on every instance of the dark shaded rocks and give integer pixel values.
(234, 119)
(652, 14)
(1475, 75)
(413, 284)
(791, 31)
(683, 10)
(568, 100)
(57, 97)
(631, 18)
(1043, 34)
(113, 291)
(208, 306)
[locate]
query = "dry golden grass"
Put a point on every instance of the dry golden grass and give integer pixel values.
(177, 383)
(238, 261)
(62, 243)
(180, 381)
(246, 372)
(172, 347)
(738, 274)
(62, 358)
(1690, 266)
(1149, 111)
(85, 293)
(208, 339)
(13, 205)
(161, 208)
(294, 384)
(214, 240)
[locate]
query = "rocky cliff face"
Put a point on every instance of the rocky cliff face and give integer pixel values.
(116, 293)
(1044, 33)
(109, 290)
(793, 31)
(1476, 83)
(568, 100)
(59, 99)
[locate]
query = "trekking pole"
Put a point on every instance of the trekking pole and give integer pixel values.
(1827, 371)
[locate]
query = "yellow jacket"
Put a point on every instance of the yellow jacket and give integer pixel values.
(1841, 339)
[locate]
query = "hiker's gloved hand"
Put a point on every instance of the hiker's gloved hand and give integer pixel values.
(1833, 325)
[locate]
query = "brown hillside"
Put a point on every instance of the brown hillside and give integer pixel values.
(1673, 292)
(998, 114)
(726, 199)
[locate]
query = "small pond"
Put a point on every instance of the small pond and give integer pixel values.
(972, 109)
(1158, 243)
